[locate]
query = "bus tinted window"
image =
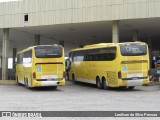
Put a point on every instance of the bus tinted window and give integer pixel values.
(133, 50)
(20, 58)
(27, 57)
(78, 55)
(100, 54)
(48, 51)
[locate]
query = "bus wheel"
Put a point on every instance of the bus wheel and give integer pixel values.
(26, 84)
(73, 78)
(17, 81)
(105, 84)
(54, 87)
(131, 87)
(98, 83)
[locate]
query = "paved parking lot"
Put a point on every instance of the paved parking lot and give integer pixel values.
(79, 97)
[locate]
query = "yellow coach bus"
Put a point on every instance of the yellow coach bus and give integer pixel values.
(111, 64)
(41, 65)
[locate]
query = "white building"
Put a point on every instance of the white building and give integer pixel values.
(76, 22)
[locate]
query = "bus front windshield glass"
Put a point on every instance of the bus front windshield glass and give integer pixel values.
(133, 50)
(48, 51)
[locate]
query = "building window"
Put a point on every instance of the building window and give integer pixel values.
(26, 17)
(10, 63)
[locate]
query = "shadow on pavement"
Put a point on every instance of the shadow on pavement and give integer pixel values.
(120, 89)
(37, 89)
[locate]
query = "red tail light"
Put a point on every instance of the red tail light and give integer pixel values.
(119, 75)
(34, 75)
(64, 74)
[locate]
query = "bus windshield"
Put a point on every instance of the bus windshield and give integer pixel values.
(133, 50)
(48, 51)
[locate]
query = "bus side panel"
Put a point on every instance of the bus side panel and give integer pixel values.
(74, 70)
(28, 75)
(92, 71)
(20, 73)
(112, 68)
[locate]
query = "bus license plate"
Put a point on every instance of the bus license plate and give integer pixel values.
(50, 79)
(135, 78)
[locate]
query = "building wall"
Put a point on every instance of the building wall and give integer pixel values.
(10, 51)
(47, 12)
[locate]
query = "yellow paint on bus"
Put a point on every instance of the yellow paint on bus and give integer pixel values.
(42, 65)
(111, 64)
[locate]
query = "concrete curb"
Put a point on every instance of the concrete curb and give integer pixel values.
(8, 82)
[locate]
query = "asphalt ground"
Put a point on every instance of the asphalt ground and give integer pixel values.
(79, 97)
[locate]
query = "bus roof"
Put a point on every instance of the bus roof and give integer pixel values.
(31, 47)
(101, 45)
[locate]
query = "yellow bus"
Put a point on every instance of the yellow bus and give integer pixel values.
(111, 64)
(42, 65)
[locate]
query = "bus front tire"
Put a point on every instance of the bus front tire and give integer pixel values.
(17, 81)
(73, 78)
(99, 84)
